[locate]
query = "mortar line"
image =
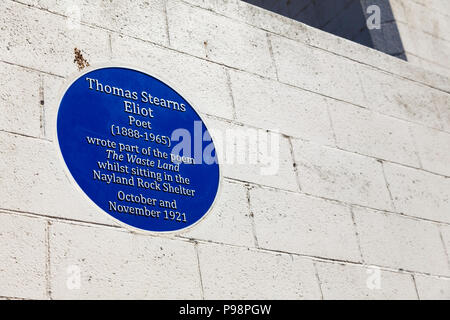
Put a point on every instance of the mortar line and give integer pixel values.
(446, 252)
(330, 119)
(252, 216)
(25, 135)
(272, 56)
(57, 219)
(415, 145)
(387, 187)
(31, 68)
(358, 240)
(199, 270)
(48, 263)
(415, 286)
(294, 164)
(17, 298)
(361, 85)
(42, 107)
(110, 45)
(166, 16)
(230, 90)
(319, 282)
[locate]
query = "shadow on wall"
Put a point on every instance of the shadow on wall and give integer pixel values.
(368, 22)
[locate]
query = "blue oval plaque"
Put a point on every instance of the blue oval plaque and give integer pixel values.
(137, 149)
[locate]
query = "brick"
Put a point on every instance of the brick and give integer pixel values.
(203, 84)
(240, 273)
(423, 44)
(23, 257)
(403, 243)
(372, 134)
(430, 66)
(296, 223)
(41, 40)
(418, 193)
(400, 98)
(316, 70)
(340, 175)
(34, 180)
(432, 288)
(115, 15)
(255, 16)
(290, 110)
(339, 281)
(434, 149)
(229, 221)
(216, 38)
(114, 264)
(20, 107)
(429, 21)
(266, 162)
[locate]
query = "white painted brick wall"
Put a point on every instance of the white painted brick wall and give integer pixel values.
(358, 130)
(305, 225)
(340, 175)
